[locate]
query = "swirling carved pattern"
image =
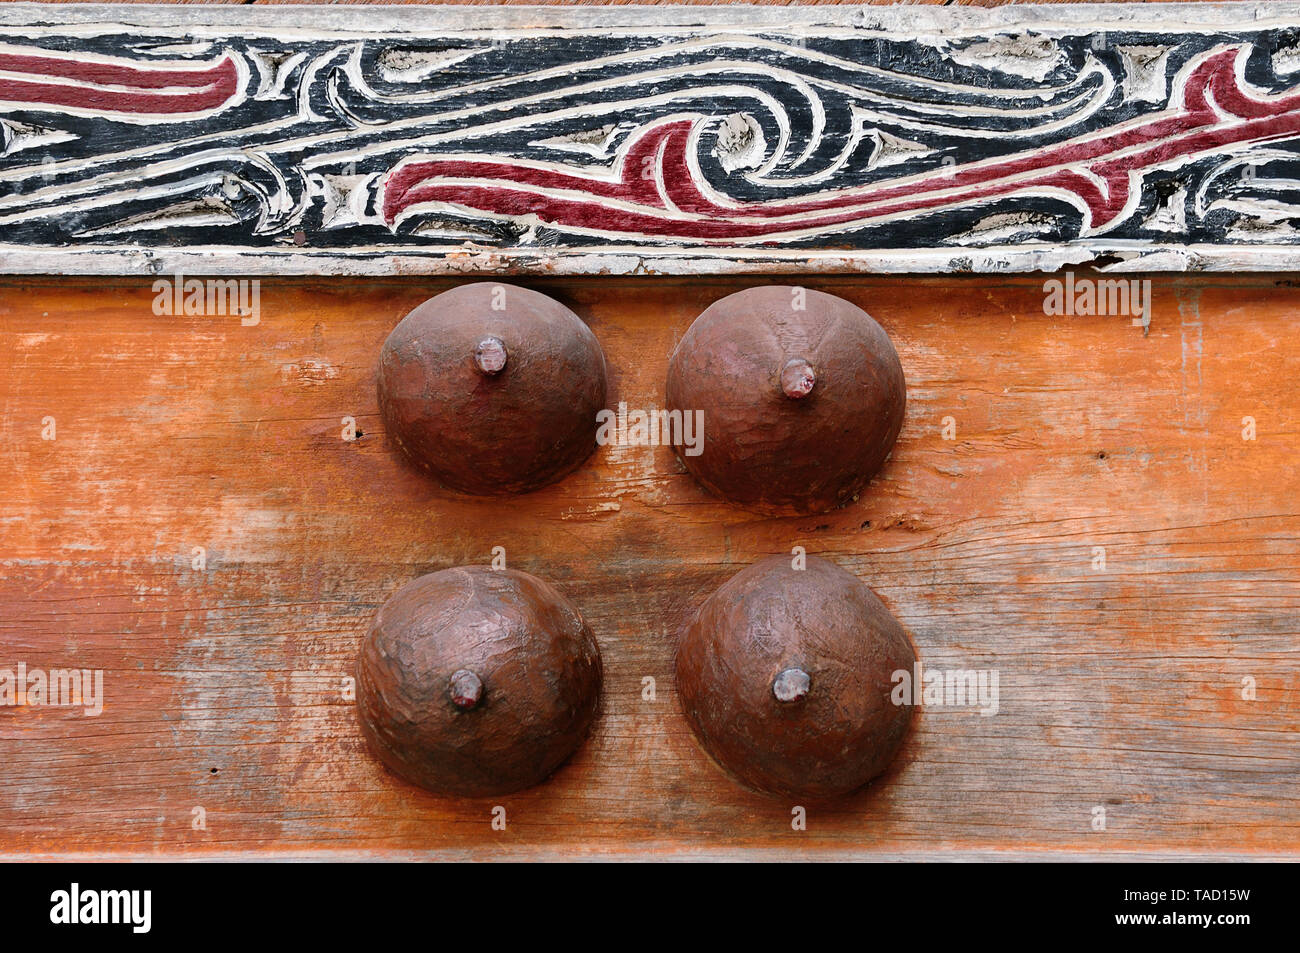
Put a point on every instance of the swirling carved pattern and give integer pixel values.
(572, 142)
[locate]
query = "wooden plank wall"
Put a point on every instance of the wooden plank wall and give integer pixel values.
(1121, 685)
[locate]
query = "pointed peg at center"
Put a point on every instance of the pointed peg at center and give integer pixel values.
(797, 379)
(791, 685)
(466, 689)
(490, 355)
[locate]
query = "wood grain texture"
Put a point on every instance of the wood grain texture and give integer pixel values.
(1120, 688)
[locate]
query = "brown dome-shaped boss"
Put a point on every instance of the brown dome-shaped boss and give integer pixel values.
(493, 388)
(477, 682)
(786, 677)
(802, 396)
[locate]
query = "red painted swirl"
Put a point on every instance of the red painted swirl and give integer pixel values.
(655, 193)
(119, 87)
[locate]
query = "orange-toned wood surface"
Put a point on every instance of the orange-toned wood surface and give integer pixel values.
(1121, 686)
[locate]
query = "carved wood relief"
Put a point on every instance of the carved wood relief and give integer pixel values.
(682, 140)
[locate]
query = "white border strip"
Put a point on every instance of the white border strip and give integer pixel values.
(1133, 258)
(663, 853)
(452, 18)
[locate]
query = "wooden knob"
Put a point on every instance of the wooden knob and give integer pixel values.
(786, 677)
(492, 388)
(802, 396)
(477, 682)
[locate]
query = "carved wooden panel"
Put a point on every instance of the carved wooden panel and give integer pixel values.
(654, 139)
(1123, 676)
(208, 510)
